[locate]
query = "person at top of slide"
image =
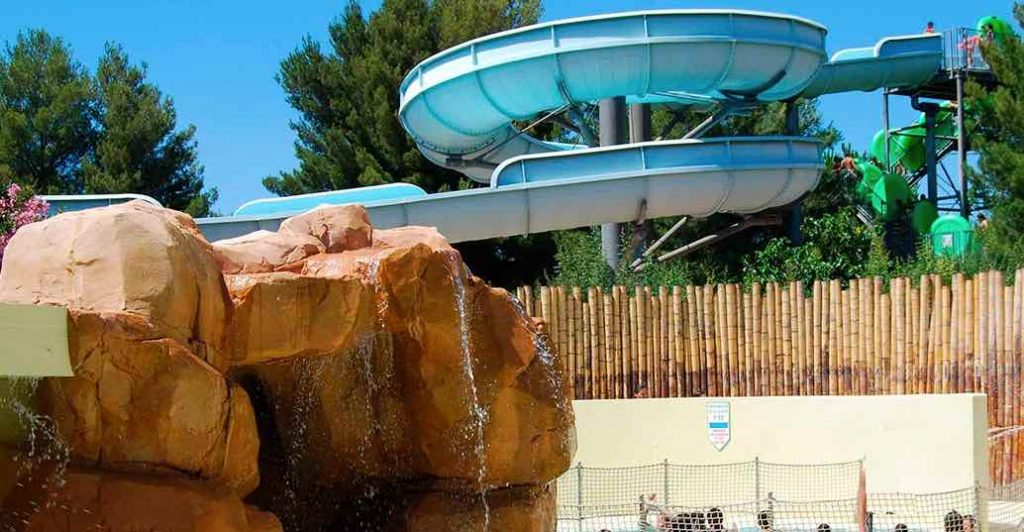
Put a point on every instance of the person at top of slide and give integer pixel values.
(930, 27)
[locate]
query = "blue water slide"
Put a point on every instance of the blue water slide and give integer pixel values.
(461, 104)
(542, 193)
(895, 62)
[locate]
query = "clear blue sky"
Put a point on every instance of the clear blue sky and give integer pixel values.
(218, 58)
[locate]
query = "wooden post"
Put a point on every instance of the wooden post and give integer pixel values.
(678, 345)
(898, 290)
(715, 388)
(695, 387)
(784, 374)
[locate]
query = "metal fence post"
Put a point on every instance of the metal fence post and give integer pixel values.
(579, 497)
(757, 478)
(665, 480)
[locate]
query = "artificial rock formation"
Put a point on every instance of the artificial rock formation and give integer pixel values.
(327, 372)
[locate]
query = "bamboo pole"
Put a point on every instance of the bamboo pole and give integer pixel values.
(898, 384)
(1008, 398)
(641, 340)
(695, 388)
(668, 366)
(580, 347)
(959, 318)
(784, 374)
(616, 355)
(970, 323)
(655, 343)
(846, 349)
(572, 333)
(751, 366)
(652, 355)
(635, 351)
(855, 337)
(711, 347)
(625, 341)
(834, 353)
(730, 338)
(679, 357)
(800, 316)
(763, 371)
(608, 383)
(595, 345)
(816, 348)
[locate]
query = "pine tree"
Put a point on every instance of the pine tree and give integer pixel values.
(65, 131)
(47, 110)
(999, 140)
(138, 148)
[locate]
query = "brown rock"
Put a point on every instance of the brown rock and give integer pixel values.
(88, 500)
(402, 405)
(133, 258)
(286, 315)
(340, 228)
(264, 251)
(523, 509)
(139, 402)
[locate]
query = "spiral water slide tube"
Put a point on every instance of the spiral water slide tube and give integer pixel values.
(462, 106)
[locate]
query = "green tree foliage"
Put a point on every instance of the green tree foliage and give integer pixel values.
(66, 131)
(47, 113)
(348, 133)
(138, 148)
(999, 139)
(835, 246)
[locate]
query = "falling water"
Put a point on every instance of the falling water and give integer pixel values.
(369, 346)
(42, 443)
(477, 412)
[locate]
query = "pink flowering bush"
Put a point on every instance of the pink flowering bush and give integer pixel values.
(16, 212)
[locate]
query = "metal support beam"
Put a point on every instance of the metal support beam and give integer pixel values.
(716, 118)
(961, 143)
(796, 220)
(613, 130)
(746, 223)
(640, 131)
(930, 111)
(885, 128)
(638, 264)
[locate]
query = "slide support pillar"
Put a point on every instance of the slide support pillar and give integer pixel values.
(930, 156)
(640, 131)
(796, 219)
(613, 130)
(885, 128)
(961, 146)
(930, 110)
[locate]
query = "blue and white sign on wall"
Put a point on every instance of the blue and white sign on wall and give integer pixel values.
(719, 425)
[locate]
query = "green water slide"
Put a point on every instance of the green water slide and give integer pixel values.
(906, 145)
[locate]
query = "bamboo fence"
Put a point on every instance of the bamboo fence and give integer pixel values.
(780, 339)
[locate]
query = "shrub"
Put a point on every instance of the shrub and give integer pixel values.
(18, 209)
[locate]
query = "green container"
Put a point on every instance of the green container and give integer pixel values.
(890, 196)
(923, 216)
(952, 236)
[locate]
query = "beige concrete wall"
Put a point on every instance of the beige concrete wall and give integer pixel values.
(910, 443)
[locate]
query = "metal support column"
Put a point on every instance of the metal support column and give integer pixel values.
(931, 158)
(613, 130)
(885, 128)
(930, 155)
(961, 145)
(640, 131)
(796, 219)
